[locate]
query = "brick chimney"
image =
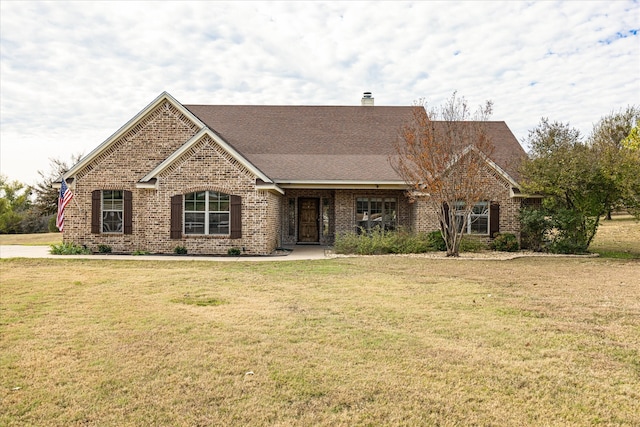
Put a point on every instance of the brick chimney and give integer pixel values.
(367, 99)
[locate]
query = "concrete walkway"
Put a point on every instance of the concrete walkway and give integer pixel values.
(298, 252)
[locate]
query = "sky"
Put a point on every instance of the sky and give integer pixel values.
(72, 73)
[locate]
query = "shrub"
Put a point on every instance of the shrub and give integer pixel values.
(471, 244)
(506, 242)
(379, 242)
(571, 231)
(234, 251)
(405, 242)
(535, 226)
(68, 249)
(104, 249)
(180, 250)
(436, 241)
(346, 243)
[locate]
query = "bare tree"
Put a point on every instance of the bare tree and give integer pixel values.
(46, 197)
(442, 154)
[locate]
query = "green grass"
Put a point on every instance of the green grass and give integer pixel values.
(386, 340)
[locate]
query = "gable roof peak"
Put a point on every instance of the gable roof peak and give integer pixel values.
(163, 97)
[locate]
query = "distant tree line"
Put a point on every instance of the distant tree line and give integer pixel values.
(32, 209)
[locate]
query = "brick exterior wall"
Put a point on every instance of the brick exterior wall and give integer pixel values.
(205, 166)
(267, 220)
(425, 218)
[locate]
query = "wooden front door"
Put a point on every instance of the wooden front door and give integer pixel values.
(308, 215)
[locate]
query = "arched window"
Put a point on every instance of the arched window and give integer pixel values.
(207, 212)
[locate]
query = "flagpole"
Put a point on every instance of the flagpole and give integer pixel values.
(77, 204)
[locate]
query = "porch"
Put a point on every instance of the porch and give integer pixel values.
(315, 216)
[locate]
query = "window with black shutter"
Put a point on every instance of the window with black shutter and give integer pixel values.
(206, 213)
(111, 211)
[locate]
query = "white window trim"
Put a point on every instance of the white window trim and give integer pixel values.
(103, 210)
(470, 218)
(372, 223)
(206, 213)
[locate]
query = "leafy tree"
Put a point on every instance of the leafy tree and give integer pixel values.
(632, 141)
(618, 162)
(14, 204)
(573, 180)
(442, 154)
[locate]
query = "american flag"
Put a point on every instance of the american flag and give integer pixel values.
(63, 200)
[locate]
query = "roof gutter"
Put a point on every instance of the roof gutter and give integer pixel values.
(342, 184)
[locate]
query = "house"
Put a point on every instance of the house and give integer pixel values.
(211, 177)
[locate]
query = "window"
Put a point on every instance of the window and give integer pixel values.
(112, 211)
(206, 212)
(477, 221)
(292, 217)
(325, 216)
(372, 212)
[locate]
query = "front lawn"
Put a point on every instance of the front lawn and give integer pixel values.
(38, 239)
(389, 340)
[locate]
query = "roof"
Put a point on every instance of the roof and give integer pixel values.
(307, 145)
(328, 143)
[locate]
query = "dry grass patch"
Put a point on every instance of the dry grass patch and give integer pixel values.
(39, 239)
(350, 341)
(618, 238)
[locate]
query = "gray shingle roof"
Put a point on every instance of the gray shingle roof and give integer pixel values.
(311, 143)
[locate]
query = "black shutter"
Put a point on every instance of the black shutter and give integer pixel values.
(128, 212)
(494, 219)
(236, 217)
(96, 208)
(176, 217)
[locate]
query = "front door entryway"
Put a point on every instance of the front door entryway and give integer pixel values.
(308, 216)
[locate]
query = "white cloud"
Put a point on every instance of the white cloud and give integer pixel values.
(72, 73)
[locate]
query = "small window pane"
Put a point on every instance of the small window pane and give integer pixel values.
(362, 209)
(390, 214)
(481, 208)
(195, 202)
(479, 225)
(325, 216)
(111, 222)
(193, 223)
(292, 217)
(376, 206)
(219, 223)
